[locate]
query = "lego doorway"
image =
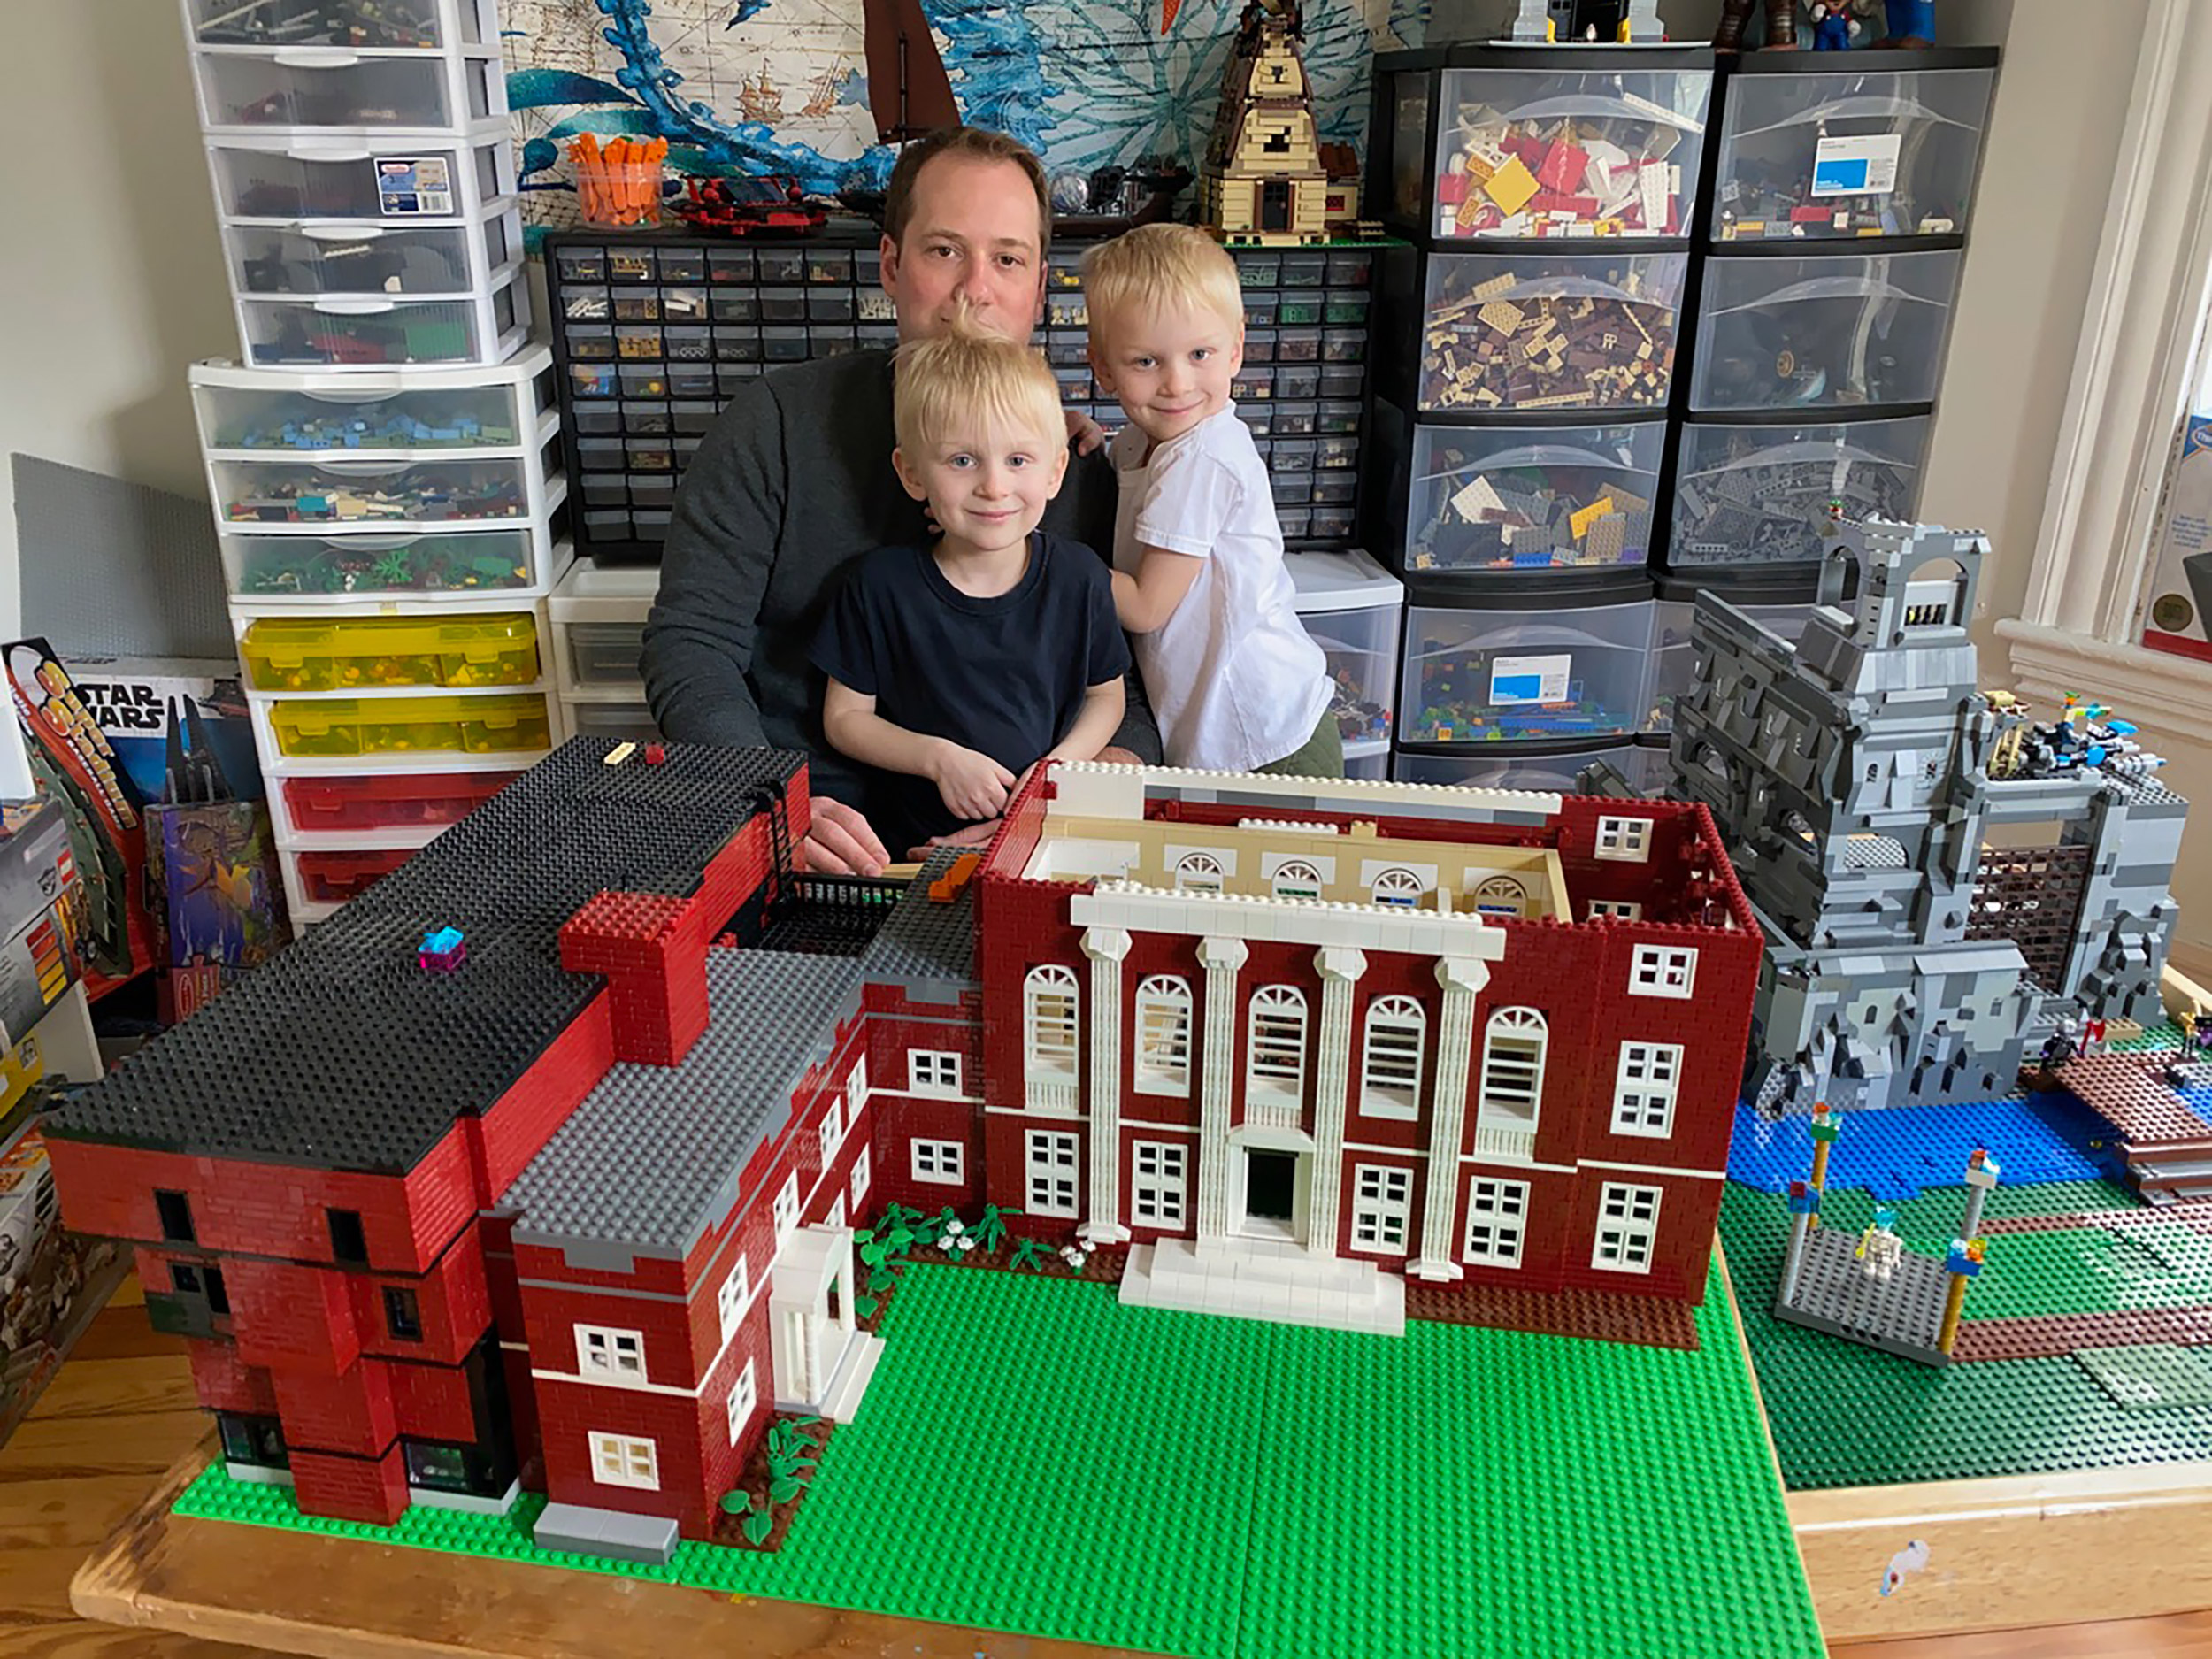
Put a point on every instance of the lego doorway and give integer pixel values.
(1275, 204)
(1272, 1190)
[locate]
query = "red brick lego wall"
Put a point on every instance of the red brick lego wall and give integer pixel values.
(505, 1139)
(351, 1488)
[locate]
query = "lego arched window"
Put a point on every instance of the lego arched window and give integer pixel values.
(1501, 896)
(1164, 1022)
(1933, 592)
(1275, 1048)
(1198, 872)
(1295, 879)
(1049, 1004)
(1396, 886)
(1390, 1064)
(1513, 1067)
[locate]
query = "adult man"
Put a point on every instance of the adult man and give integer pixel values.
(794, 481)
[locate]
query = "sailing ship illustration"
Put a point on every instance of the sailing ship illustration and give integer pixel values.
(822, 90)
(759, 98)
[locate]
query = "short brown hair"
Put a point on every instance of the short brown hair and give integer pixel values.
(978, 143)
(969, 372)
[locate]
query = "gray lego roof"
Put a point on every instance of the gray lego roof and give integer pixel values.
(923, 943)
(654, 1153)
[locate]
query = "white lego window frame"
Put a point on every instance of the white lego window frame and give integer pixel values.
(1296, 879)
(1396, 886)
(730, 1295)
(1668, 970)
(857, 1089)
(1393, 1040)
(934, 1071)
(1200, 871)
(1620, 910)
(1052, 1172)
(787, 1206)
(1159, 1187)
(744, 1395)
(1051, 1002)
(827, 1134)
(1628, 1228)
(939, 1162)
(856, 1188)
(1624, 840)
(607, 1353)
(1645, 1084)
(623, 1460)
(1516, 1049)
(1497, 1222)
(1500, 895)
(1382, 1208)
(1275, 1047)
(1164, 1021)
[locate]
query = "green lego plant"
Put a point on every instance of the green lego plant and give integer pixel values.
(757, 1522)
(1031, 1253)
(989, 1230)
(791, 1458)
(395, 569)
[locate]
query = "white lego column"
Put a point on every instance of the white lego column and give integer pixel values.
(1222, 959)
(1461, 978)
(1340, 967)
(1105, 947)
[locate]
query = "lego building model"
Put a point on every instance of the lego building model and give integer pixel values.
(1857, 778)
(1265, 177)
(525, 1170)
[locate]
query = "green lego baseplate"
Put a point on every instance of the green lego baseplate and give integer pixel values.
(1846, 1416)
(1190, 1485)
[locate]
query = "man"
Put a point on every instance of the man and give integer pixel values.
(795, 481)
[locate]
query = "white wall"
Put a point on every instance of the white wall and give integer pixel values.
(110, 272)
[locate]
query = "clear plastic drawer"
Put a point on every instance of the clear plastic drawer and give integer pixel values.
(363, 25)
(365, 493)
(376, 416)
(1765, 494)
(365, 653)
(492, 723)
(341, 89)
(1531, 499)
(1549, 331)
(1833, 331)
(382, 334)
(385, 184)
(370, 259)
(386, 801)
(350, 568)
(1494, 673)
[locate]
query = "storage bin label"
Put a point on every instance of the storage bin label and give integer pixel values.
(1856, 166)
(1523, 679)
(410, 187)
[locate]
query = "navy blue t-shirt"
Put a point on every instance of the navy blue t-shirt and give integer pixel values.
(1003, 676)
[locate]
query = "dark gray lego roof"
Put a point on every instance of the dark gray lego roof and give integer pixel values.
(654, 1153)
(342, 1053)
(922, 942)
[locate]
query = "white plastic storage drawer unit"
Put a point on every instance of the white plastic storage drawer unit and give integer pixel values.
(1353, 607)
(296, 66)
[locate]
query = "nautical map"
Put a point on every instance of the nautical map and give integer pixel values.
(779, 86)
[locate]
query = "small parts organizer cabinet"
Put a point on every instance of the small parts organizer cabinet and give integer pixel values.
(655, 332)
(363, 178)
(1523, 398)
(1842, 192)
(388, 542)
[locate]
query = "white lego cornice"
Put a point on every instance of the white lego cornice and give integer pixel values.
(1322, 923)
(1102, 790)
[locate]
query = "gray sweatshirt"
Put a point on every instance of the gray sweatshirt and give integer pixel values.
(792, 483)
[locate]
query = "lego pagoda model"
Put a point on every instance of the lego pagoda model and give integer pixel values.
(1854, 780)
(539, 1163)
(1265, 177)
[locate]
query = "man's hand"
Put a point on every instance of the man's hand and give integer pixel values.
(1087, 433)
(972, 785)
(970, 835)
(838, 842)
(1114, 757)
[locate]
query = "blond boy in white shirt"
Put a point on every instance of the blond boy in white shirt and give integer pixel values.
(1199, 579)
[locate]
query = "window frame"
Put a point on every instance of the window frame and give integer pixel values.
(1666, 971)
(1157, 992)
(1168, 1183)
(1278, 1085)
(1511, 1024)
(1645, 1088)
(1058, 1061)
(625, 1448)
(1628, 1225)
(936, 1073)
(1504, 1213)
(1054, 1158)
(1398, 1100)
(1390, 1205)
(951, 1171)
(600, 1353)
(731, 1295)
(1621, 839)
(745, 1387)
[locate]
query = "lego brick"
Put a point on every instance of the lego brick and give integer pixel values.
(606, 1533)
(2149, 1376)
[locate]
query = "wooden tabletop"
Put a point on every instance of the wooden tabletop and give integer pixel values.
(86, 1479)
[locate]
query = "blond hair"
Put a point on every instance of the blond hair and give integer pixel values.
(1156, 268)
(966, 372)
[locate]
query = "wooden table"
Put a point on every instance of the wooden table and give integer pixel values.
(92, 1473)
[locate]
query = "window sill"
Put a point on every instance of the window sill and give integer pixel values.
(2149, 688)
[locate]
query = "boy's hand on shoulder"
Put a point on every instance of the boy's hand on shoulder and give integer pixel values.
(1087, 435)
(971, 784)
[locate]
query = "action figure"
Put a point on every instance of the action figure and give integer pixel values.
(1879, 1247)
(1833, 27)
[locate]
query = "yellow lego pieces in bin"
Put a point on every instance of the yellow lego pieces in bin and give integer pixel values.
(1512, 187)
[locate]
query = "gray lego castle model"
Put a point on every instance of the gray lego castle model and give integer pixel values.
(1860, 778)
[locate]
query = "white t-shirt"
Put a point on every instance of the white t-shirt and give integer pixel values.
(1233, 676)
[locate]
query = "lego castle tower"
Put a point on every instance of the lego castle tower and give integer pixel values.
(1262, 181)
(1856, 778)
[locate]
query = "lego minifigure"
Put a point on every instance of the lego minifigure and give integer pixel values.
(1834, 29)
(1879, 1247)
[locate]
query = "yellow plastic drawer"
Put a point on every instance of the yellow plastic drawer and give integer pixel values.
(395, 725)
(289, 654)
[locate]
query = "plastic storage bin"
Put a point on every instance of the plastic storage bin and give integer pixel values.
(1531, 499)
(1764, 495)
(349, 568)
(313, 182)
(509, 408)
(618, 722)
(336, 875)
(295, 654)
(1352, 608)
(365, 25)
(371, 493)
(1549, 330)
(337, 89)
(1521, 152)
(369, 333)
(1782, 608)
(1830, 331)
(598, 619)
(489, 724)
(1533, 665)
(384, 801)
(1811, 148)
(1550, 767)
(361, 259)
